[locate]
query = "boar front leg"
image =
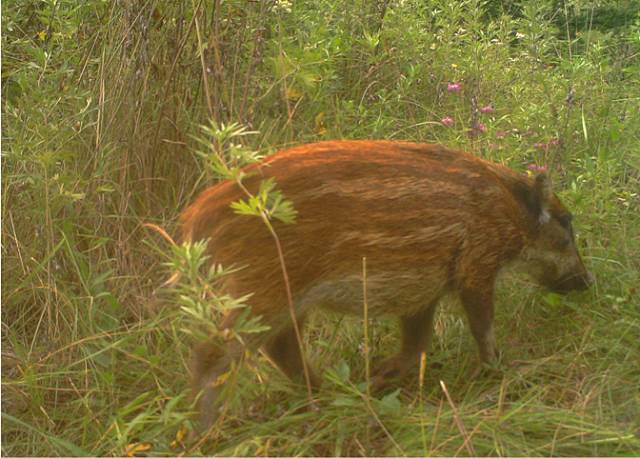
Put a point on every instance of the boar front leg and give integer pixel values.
(283, 350)
(209, 363)
(478, 305)
(417, 332)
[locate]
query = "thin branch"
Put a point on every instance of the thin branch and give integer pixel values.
(287, 285)
(205, 79)
(365, 325)
(456, 417)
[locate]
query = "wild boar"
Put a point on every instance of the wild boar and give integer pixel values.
(429, 220)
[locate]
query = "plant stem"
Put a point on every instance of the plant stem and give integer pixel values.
(287, 285)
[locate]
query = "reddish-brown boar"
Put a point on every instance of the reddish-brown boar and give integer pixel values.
(430, 221)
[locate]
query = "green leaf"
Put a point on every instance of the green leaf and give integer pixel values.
(343, 371)
(63, 445)
(244, 208)
(343, 401)
(390, 403)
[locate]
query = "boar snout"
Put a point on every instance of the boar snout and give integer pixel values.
(574, 282)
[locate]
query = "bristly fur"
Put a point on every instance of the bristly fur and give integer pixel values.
(430, 220)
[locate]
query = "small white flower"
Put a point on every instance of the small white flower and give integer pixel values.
(283, 6)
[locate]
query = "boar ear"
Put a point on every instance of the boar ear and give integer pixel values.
(535, 197)
(542, 194)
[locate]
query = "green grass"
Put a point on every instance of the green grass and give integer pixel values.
(100, 107)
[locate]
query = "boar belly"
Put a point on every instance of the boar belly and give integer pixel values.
(398, 293)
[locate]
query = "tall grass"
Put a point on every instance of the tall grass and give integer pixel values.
(101, 103)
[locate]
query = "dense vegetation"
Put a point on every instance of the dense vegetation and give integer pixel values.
(102, 104)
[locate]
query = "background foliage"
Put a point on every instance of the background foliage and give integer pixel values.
(101, 102)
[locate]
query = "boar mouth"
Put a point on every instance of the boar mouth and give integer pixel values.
(576, 282)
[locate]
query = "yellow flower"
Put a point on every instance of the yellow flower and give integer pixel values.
(321, 128)
(293, 94)
(180, 434)
(136, 447)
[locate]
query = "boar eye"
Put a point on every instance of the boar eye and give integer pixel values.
(565, 221)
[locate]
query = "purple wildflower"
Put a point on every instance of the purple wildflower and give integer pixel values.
(537, 168)
(447, 121)
(487, 109)
(480, 127)
(454, 87)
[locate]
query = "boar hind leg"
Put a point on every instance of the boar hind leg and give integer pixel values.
(283, 350)
(417, 332)
(478, 305)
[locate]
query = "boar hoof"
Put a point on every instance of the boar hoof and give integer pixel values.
(388, 371)
(485, 369)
